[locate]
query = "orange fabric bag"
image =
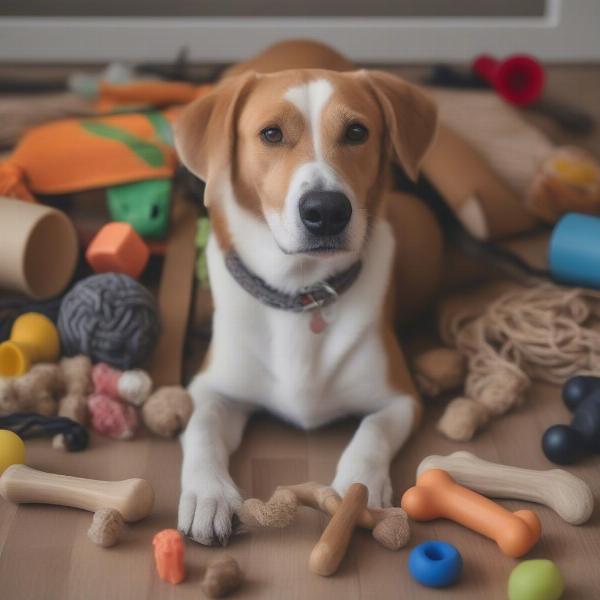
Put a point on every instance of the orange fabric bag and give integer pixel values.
(78, 154)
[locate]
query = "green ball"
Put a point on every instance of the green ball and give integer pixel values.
(535, 580)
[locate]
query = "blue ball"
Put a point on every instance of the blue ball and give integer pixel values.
(435, 563)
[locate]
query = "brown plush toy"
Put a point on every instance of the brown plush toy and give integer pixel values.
(167, 411)
(36, 391)
(77, 375)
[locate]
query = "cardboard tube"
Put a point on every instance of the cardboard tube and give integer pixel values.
(39, 249)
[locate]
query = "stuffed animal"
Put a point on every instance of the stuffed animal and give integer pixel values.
(37, 391)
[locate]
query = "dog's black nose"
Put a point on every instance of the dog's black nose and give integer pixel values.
(325, 213)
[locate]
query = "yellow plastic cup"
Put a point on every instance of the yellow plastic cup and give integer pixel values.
(33, 338)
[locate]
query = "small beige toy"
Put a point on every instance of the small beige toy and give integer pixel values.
(569, 496)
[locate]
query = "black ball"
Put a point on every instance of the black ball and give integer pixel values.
(577, 388)
(563, 445)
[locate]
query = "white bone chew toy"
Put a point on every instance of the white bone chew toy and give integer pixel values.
(133, 499)
(569, 496)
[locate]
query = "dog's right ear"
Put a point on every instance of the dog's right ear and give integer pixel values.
(205, 132)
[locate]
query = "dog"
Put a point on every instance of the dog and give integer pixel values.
(313, 260)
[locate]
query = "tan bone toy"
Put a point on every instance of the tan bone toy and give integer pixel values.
(569, 496)
(131, 499)
(389, 525)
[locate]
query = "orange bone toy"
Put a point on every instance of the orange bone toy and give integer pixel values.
(168, 555)
(437, 495)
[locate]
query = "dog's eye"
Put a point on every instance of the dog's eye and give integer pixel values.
(272, 135)
(355, 133)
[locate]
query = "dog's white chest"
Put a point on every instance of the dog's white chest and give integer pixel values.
(272, 358)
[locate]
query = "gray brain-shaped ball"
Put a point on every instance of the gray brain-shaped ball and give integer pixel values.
(111, 318)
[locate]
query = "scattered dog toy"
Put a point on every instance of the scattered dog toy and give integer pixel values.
(123, 334)
(76, 373)
(535, 580)
(389, 525)
(566, 444)
(118, 248)
(29, 425)
(222, 576)
(435, 563)
(12, 449)
(112, 418)
(577, 388)
(37, 391)
(440, 370)
(331, 548)
(132, 499)
(106, 528)
(167, 411)
(569, 496)
(33, 339)
(132, 386)
(437, 495)
(168, 555)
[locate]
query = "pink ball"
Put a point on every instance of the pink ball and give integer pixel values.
(112, 418)
(106, 380)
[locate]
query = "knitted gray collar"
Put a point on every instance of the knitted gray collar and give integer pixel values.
(304, 300)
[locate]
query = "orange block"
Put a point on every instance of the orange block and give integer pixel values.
(118, 248)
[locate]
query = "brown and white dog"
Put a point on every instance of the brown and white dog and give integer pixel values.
(312, 260)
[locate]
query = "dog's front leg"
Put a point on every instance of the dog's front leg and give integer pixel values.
(209, 496)
(368, 456)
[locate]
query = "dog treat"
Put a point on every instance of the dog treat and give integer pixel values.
(389, 525)
(440, 370)
(167, 411)
(133, 386)
(168, 555)
(106, 528)
(569, 496)
(331, 548)
(223, 576)
(437, 495)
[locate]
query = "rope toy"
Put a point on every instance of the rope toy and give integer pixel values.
(29, 425)
(543, 333)
(111, 318)
(389, 525)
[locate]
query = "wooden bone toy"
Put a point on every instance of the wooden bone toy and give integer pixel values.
(437, 495)
(129, 500)
(389, 525)
(569, 496)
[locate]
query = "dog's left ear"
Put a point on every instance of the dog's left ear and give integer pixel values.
(205, 132)
(410, 115)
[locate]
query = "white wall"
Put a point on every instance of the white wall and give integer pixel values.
(570, 31)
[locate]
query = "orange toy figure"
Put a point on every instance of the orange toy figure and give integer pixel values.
(168, 555)
(437, 495)
(117, 248)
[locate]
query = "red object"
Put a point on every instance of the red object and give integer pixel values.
(519, 79)
(118, 248)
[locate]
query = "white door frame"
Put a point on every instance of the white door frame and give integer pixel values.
(568, 32)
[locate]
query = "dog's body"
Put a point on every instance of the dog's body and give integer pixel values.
(271, 203)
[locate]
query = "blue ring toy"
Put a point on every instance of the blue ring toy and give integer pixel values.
(435, 563)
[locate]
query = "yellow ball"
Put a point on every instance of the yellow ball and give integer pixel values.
(12, 450)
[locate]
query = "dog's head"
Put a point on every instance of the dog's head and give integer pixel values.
(306, 152)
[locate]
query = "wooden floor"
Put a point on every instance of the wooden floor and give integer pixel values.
(45, 554)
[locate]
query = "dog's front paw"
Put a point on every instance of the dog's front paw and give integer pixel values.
(376, 480)
(206, 510)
